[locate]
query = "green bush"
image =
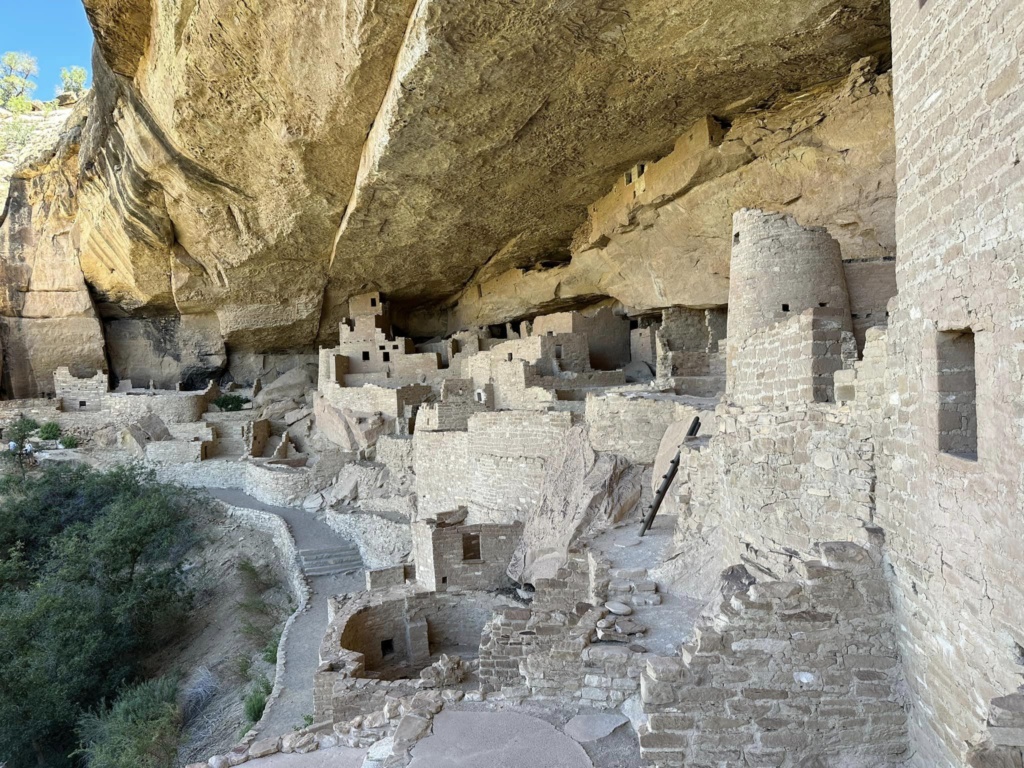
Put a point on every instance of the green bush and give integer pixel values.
(255, 700)
(230, 402)
(50, 431)
(93, 583)
(270, 649)
(69, 441)
(141, 729)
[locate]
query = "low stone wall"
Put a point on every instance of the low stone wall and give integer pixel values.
(401, 627)
(278, 486)
(285, 543)
(798, 671)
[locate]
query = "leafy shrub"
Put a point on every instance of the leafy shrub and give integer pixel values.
(141, 729)
(69, 441)
(50, 431)
(230, 402)
(255, 700)
(270, 649)
(98, 584)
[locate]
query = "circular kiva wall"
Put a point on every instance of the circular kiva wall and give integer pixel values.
(779, 269)
(407, 629)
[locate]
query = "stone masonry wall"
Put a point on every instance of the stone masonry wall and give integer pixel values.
(801, 671)
(447, 567)
(632, 425)
(495, 469)
(791, 362)
(956, 526)
(779, 267)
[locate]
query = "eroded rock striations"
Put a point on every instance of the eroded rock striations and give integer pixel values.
(246, 168)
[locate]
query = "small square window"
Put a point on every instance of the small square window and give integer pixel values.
(366, 355)
(81, 403)
(387, 648)
(785, 307)
(444, 579)
(395, 346)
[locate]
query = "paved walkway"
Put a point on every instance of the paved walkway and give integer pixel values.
(302, 647)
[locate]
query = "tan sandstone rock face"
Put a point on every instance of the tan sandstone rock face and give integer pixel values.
(47, 317)
(826, 157)
(249, 166)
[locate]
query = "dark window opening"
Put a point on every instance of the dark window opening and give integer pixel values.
(387, 357)
(81, 403)
(957, 394)
(471, 546)
(366, 355)
(629, 177)
(822, 303)
(634, 324)
(395, 346)
(444, 579)
(736, 239)
(558, 351)
(640, 170)
(509, 357)
(382, 348)
(387, 648)
(785, 307)
(373, 302)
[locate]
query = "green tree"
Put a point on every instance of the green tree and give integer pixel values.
(140, 730)
(91, 579)
(73, 80)
(16, 436)
(16, 85)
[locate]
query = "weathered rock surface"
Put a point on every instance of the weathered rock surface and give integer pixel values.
(47, 318)
(248, 167)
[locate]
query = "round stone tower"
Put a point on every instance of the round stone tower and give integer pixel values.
(779, 269)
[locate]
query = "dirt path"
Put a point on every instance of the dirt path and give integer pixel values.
(302, 646)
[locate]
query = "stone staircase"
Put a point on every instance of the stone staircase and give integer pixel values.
(229, 434)
(325, 562)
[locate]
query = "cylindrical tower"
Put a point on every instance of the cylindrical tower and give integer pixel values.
(779, 269)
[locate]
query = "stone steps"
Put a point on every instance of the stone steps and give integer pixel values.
(323, 562)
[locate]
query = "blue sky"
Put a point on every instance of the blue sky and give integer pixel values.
(56, 32)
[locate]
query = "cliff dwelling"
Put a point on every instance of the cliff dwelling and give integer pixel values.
(630, 385)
